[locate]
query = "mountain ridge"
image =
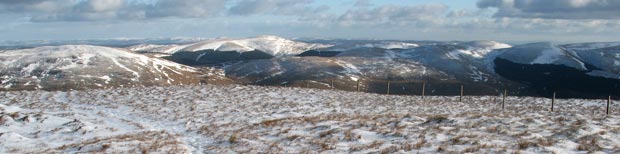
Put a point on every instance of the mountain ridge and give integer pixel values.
(85, 66)
(488, 66)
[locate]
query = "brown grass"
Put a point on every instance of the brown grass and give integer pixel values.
(420, 144)
(293, 137)
(477, 147)
(524, 144)
(232, 139)
(327, 133)
(348, 135)
(148, 141)
(372, 145)
(442, 148)
(589, 143)
(389, 150)
(545, 142)
(436, 119)
(459, 139)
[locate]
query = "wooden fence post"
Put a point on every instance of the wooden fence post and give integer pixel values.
(423, 89)
(552, 101)
(461, 97)
(357, 87)
(504, 98)
(388, 87)
(608, 102)
(332, 84)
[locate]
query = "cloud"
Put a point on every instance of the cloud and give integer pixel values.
(513, 19)
(275, 7)
(101, 5)
(91, 10)
(97, 10)
(554, 9)
(465, 13)
(394, 15)
(362, 3)
(33, 6)
(186, 8)
(69, 10)
(19, 1)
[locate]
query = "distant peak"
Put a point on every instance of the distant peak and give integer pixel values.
(488, 44)
(271, 37)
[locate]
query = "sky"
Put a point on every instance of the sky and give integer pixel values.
(443, 20)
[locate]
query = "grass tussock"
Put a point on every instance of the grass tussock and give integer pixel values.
(436, 119)
(524, 144)
(589, 143)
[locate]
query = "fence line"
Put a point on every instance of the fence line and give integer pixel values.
(461, 91)
(461, 97)
(608, 102)
(423, 89)
(504, 98)
(388, 85)
(552, 101)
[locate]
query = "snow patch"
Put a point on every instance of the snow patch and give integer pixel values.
(391, 45)
(548, 56)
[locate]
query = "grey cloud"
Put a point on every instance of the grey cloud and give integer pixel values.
(362, 3)
(277, 7)
(464, 13)
(95, 10)
(19, 1)
(100, 5)
(394, 15)
(34, 6)
(186, 8)
(425, 21)
(554, 9)
(91, 10)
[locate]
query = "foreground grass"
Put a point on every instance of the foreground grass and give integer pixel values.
(249, 119)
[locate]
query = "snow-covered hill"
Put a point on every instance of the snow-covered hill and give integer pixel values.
(83, 66)
(604, 57)
(346, 45)
(223, 50)
(153, 48)
(440, 64)
(582, 70)
(429, 62)
(345, 71)
(390, 45)
(542, 53)
(591, 46)
(272, 45)
(479, 49)
(598, 59)
(271, 60)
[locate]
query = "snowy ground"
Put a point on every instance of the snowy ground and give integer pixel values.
(249, 119)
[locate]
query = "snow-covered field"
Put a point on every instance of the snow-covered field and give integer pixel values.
(250, 119)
